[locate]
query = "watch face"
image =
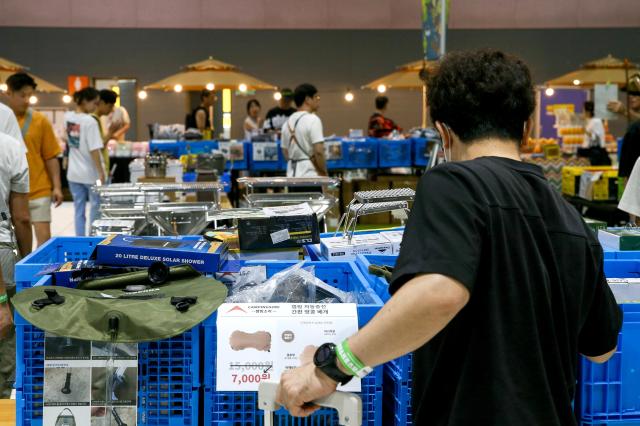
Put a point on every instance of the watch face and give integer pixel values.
(323, 355)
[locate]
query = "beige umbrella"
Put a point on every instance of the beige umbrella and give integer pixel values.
(7, 68)
(407, 76)
(197, 76)
(601, 71)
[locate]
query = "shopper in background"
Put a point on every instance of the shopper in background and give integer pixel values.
(86, 167)
(116, 123)
(379, 125)
(633, 89)
(42, 155)
(279, 114)
(105, 108)
(199, 117)
(9, 123)
(14, 210)
(595, 139)
(630, 150)
(499, 283)
(253, 123)
(302, 138)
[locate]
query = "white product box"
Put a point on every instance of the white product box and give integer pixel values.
(395, 238)
(338, 248)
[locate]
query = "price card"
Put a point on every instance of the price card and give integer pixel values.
(257, 342)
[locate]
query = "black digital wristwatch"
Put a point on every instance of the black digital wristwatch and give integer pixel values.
(325, 359)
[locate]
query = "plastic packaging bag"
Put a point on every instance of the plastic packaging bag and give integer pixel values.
(292, 285)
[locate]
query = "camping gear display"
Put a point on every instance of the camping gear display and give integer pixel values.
(155, 165)
(66, 418)
(138, 311)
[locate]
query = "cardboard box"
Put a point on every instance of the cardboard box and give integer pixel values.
(69, 274)
(395, 238)
(620, 238)
(339, 248)
(601, 183)
(278, 232)
(127, 250)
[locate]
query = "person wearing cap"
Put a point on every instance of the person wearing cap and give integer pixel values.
(279, 114)
(630, 150)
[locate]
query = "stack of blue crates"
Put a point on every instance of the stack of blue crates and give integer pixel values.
(240, 408)
(358, 154)
(395, 153)
(168, 370)
(177, 148)
(397, 373)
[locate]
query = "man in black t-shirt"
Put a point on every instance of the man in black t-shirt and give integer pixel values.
(499, 285)
(278, 115)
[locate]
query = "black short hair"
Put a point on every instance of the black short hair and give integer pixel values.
(205, 94)
(108, 96)
(589, 107)
(287, 94)
(381, 102)
(86, 94)
(253, 102)
(303, 92)
(19, 80)
(482, 94)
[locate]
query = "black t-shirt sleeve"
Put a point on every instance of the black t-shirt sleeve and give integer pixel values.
(599, 332)
(444, 231)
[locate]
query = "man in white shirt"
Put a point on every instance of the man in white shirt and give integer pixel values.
(14, 209)
(302, 138)
(9, 122)
(594, 127)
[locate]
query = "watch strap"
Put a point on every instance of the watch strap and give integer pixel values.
(4, 299)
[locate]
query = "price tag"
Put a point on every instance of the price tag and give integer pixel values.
(258, 342)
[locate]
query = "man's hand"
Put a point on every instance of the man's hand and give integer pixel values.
(57, 197)
(6, 320)
(616, 106)
(103, 180)
(302, 385)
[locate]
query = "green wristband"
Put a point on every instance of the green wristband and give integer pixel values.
(4, 299)
(348, 359)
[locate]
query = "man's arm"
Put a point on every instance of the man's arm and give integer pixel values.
(96, 155)
(427, 302)
(285, 154)
(121, 131)
(53, 170)
(19, 209)
(319, 160)
(201, 119)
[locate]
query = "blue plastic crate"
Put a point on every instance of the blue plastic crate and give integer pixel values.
(622, 268)
(420, 152)
(360, 154)
(240, 408)
(624, 254)
(168, 378)
(58, 250)
(395, 153)
(396, 398)
(379, 284)
(343, 275)
(266, 166)
(196, 147)
(609, 393)
(169, 147)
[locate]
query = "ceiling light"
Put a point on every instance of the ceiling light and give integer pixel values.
(210, 86)
(381, 88)
(277, 96)
(33, 99)
(549, 91)
(576, 82)
(177, 88)
(142, 95)
(348, 96)
(242, 87)
(66, 99)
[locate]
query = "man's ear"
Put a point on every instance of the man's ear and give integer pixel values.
(528, 127)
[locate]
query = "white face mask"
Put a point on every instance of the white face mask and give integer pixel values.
(444, 149)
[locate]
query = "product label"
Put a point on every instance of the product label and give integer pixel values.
(89, 383)
(280, 236)
(258, 342)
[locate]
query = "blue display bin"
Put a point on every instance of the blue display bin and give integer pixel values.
(420, 152)
(360, 154)
(395, 153)
(240, 408)
(264, 159)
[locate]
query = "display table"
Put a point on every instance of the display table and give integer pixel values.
(7, 412)
(552, 168)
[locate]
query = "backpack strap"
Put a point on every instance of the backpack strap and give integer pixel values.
(294, 139)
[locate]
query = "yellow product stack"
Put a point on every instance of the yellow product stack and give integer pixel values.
(590, 183)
